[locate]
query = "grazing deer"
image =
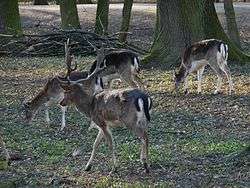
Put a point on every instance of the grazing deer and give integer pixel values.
(210, 52)
(52, 92)
(123, 64)
(126, 107)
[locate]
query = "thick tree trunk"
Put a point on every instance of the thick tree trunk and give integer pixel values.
(213, 29)
(126, 16)
(180, 23)
(232, 29)
(84, 2)
(102, 12)
(69, 15)
(9, 17)
(40, 2)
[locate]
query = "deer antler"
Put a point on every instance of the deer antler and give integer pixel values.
(68, 59)
(92, 45)
(99, 68)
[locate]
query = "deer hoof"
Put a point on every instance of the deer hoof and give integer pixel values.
(88, 168)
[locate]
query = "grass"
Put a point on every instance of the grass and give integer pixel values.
(191, 136)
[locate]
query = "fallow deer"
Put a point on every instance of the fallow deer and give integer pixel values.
(53, 93)
(210, 52)
(125, 107)
(120, 64)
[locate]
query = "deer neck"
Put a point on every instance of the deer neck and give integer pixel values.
(84, 102)
(40, 99)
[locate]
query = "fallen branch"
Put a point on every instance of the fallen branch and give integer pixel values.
(52, 44)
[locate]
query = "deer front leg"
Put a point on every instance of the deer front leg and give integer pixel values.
(47, 113)
(64, 109)
(92, 125)
(219, 84)
(199, 77)
(95, 146)
(229, 78)
(186, 85)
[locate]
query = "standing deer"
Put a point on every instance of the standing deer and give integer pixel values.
(53, 93)
(123, 64)
(210, 52)
(125, 107)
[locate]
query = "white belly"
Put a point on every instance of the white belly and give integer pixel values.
(196, 65)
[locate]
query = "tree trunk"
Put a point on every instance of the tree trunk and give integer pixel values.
(232, 29)
(84, 2)
(69, 15)
(102, 12)
(9, 17)
(213, 29)
(126, 16)
(40, 2)
(180, 23)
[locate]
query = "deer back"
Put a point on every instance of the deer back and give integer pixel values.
(121, 105)
(118, 61)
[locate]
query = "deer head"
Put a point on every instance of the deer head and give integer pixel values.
(71, 87)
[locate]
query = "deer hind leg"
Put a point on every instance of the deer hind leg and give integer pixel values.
(214, 65)
(64, 109)
(199, 77)
(229, 77)
(95, 146)
(141, 133)
(109, 138)
(47, 113)
(219, 82)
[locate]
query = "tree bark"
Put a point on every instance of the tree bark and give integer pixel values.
(180, 23)
(102, 12)
(126, 16)
(9, 17)
(40, 2)
(213, 29)
(84, 2)
(232, 29)
(69, 15)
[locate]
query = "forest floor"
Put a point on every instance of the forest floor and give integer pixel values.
(194, 140)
